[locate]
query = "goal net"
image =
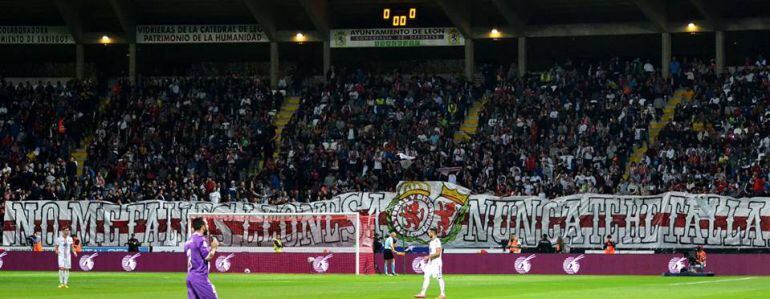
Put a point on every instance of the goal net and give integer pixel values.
(291, 242)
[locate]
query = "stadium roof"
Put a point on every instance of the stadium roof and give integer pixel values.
(282, 18)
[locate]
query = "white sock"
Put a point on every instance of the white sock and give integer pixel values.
(425, 284)
(61, 276)
(386, 267)
(66, 276)
(393, 266)
(441, 285)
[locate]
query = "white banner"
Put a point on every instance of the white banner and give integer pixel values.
(396, 37)
(35, 35)
(670, 220)
(193, 34)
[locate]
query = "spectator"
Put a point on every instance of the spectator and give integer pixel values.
(700, 259)
(77, 247)
(609, 245)
(214, 196)
(37, 242)
(133, 244)
(544, 246)
(513, 244)
(560, 246)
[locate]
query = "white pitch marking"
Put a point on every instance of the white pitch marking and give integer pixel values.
(710, 281)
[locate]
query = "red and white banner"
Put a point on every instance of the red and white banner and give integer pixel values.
(670, 220)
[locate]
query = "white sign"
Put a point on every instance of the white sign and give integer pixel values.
(571, 264)
(87, 262)
(396, 37)
(35, 35)
(129, 262)
(320, 263)
(418, 264)
(523, 265)
(676, 264)
(200, 34)
(223, 262)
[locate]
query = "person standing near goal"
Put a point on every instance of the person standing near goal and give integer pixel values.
(198, 256)
(389, 253)
(64, 252)
(433, 265)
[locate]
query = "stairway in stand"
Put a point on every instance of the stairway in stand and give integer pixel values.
(470, 125)
(81, 154)
(290, 105)
(655, 127)
(284, 116)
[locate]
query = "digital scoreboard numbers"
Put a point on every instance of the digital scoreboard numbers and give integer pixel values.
(399, 17)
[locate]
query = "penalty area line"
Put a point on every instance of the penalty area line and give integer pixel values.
(710, 281)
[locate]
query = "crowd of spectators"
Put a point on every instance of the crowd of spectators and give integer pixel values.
(564, 131)
(182, 138)
(719, 140)
(567, 130)
(40, 125)
(365, 131)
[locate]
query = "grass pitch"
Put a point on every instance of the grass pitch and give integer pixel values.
(172, 285)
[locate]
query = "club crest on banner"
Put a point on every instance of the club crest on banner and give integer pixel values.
(454, 36)
(571, 264)
(419, 206)
(320, 264)
(340, 38)
(87, 262)
(418, 264)
(1, 258)
(223, 262)
(129, 262)
(522, 264)
(675, 265)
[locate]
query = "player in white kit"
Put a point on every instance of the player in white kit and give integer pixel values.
(433, 266)
(64, 253)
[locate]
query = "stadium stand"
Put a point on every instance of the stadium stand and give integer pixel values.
(41, 124)
(181, 138)
(364, 131)
(718, 142)
(570, 129)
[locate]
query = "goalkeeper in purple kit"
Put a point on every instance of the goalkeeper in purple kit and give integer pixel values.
(198, 256)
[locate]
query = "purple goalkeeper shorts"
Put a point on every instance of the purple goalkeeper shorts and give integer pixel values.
(197, 289)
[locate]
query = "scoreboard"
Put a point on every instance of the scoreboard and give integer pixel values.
(399, 17)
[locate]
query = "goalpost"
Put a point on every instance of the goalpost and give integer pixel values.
(314, 237)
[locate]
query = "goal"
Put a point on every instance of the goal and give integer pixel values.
(309, 242)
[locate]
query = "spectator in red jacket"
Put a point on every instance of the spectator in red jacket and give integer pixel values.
(758, 185)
